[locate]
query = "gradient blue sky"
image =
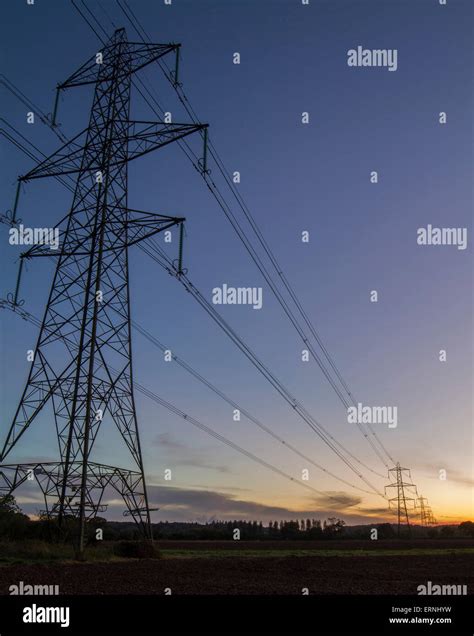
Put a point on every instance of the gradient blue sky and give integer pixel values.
(294, 177)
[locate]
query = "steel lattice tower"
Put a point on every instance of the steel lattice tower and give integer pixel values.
(402, 488)
(82, 367)
(422, 505)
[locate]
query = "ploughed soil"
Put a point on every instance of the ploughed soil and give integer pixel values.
(346, 544)
(369, 574)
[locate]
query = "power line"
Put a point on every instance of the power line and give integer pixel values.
(242, 410)
(151, 248)
(224, 206)
(206, 382)
(14, 90)
(323, 434)
(167, 264)
(296, 405)
(87, 21)
(268, 375)
(25, 315)
(247, 244)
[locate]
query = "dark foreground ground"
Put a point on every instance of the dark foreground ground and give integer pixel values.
(345, 544)
(278, 568)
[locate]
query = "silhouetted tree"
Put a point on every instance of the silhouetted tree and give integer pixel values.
(8, 505)
(13, 523)
(333, 526)
(466, 528)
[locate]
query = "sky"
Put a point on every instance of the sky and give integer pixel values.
(295, 177)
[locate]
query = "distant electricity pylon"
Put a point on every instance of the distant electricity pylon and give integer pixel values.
(400, 501)
(430, 519)
(82, 363)
(422, 505)
(426, 514)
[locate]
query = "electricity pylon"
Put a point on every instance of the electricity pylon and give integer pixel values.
(396, 475)
(422, 505)
(82, 366)
(430, 519)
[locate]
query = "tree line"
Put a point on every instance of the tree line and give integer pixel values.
(14, 525)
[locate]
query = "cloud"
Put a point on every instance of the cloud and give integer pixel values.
(229, 488)
(375, 511)
(22, 500)
(166, 440)
(197, 462)
(179, 454)
(452, 474)
(205, 505)
(337, 500)
(459, 478)
(193, 504)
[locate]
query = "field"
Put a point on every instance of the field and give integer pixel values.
(253, 567)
